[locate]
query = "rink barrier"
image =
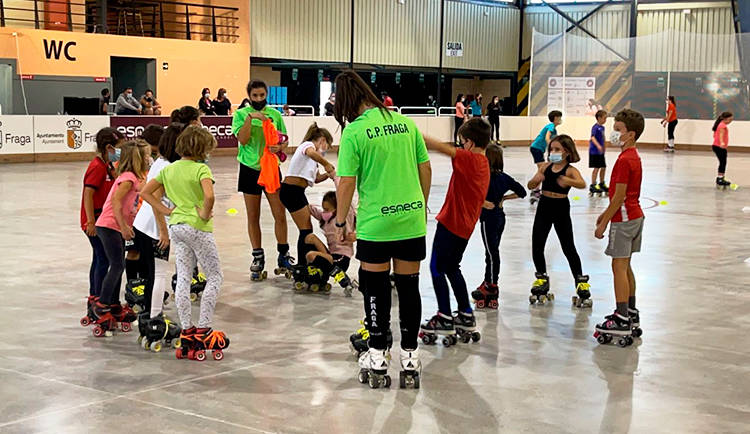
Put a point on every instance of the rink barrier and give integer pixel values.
(73, 138)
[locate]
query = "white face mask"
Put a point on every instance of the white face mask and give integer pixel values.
(207, 95)
(615, 138)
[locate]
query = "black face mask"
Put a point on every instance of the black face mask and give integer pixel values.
(258, 105)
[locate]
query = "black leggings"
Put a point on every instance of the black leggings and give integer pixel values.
(555, 212)
(721, 154)
(376, 291)
(114, 248)
(459, 122)
(493, 225)
(495, 124)
(670, 129)
(146, 263)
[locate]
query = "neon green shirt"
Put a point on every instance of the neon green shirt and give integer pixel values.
(383, 153)
(182, 184)
(249, 153)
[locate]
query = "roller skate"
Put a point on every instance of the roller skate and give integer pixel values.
(540, 290)
(722, 183)
(197, 285)
(257, 272)
(89, 318)
(595, 190)
(411, 367)
(466, 327)
(104, 320)
(359, 338)
(124, 316)
(158, 332)
(635, 322)
(438, 325)
(373, 368)
(212, 341)
(614, 325)
(342, 279)
(310, 278)
(486, 295)
(134, 295)
(583, 292)
(604, 187)
(285, 265)
(534, 196)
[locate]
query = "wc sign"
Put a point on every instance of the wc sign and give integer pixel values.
(454, 49)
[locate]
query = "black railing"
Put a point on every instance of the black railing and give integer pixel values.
(154, 18)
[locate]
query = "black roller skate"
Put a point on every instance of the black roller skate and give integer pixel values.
(211, 341)
(373, 368)
(540, 290)
(310, 278)
(486, 296)
(583, 292)
(360, 339)
(635, 322)
(466, 327)
(342, 279)
(614, 325)
(595, 190)
(411, 368)
(603, 187)
(197, 285)
(107, 317)
(722, 183)
(257, 272)
(285, 265)
(135, 295)
(439, 325)
(157, 332)
(89, 318)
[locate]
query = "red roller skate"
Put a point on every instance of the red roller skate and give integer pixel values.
(89, 318)
(486, 296)
(124, 316)
(212, 341)
(187, 344)
(103, 318)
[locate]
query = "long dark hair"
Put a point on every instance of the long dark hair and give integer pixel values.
(351, 93)
(570, 147)
(185, 115)
(671, 99)
(459, 97)
(168, 141)
(720, 119)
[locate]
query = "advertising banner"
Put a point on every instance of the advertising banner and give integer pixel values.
(219, 126)
(579, 94)
(59, 134)
(16, 135)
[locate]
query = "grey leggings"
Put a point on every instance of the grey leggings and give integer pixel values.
(192, 246)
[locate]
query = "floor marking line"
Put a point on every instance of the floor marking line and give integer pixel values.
(65, 409)
(54, 380)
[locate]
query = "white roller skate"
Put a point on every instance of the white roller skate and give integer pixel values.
(373, 368)
(411, 368)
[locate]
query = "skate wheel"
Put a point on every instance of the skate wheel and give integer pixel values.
(155, 346)
(601, 339)
(493, 304)
(276, 271)
(588, 303)
(623, 342)
(218, 355)
(200, 355)
(327, 288)
(475, 337)
(137, 308)
(363, 377)
(178, 354)
(550, 296)
(479, 304)
(416, 380)
(288, 274)
(264, 275)
(402, 380)
(98, 331)
(314, 287)
(85, 321)
(193, 297)
(637, 332)
(387, 381)
(532, 299)
(139, 340)
(575, 301)
(125, 327)
(447, 341)
(177, 343)
(373, 382)
(145, 344)
(465, 339)
(347, 292)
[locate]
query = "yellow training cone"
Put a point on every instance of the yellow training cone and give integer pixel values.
(664, 202)
(734, 186)
(232, 211)
(576, 198)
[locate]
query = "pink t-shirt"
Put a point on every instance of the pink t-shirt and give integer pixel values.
(129, 203)
(328, 225)
(460, 110)
(717, 137)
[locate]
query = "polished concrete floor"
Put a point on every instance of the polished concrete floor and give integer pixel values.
(536, 369)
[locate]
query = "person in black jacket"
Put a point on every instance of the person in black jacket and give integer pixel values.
(493, 115)
(492, 221)
(205, 105)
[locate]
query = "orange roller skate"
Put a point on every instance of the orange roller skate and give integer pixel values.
(208, 340)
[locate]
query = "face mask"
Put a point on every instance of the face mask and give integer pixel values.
(555, 158)
(114, 156)
(148, 98)
(615, 138)
(130, 95)
(207, 95)
(326, 215)
(258, 105)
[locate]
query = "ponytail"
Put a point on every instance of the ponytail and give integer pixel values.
(721, 117)
(315, 132)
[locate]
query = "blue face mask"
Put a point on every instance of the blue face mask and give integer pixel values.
(114, 156)
(555, 158)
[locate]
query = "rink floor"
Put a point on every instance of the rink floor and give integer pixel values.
(289, 369)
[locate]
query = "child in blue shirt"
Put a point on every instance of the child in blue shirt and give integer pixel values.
(596, 154)
(541, 143)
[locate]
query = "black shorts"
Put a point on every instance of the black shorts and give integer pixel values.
(379, 252)
(293, 197)
(537, 154)
(597, 161)
(247, 182)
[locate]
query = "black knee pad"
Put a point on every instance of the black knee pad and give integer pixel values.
(377, 316)
(302, 247)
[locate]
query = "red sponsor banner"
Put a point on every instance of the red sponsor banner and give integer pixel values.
(27, 77)
(219, 126)
(100, 79)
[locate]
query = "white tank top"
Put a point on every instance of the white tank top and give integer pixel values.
(303, 166)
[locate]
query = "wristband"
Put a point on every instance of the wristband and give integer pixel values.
(340, 225)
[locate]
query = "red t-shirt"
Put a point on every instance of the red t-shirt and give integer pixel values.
(628, 171)
(466, 193)
(97, 177)
(671, 113)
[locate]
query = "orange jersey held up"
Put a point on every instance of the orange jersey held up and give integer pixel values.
(269, 177)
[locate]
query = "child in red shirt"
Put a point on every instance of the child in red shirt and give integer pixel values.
(97, 182)
(626, 229)
(456, 221)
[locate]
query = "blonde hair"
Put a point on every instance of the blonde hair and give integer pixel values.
(315, 132)
(195, 142)
(133, 158)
